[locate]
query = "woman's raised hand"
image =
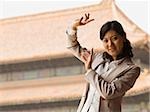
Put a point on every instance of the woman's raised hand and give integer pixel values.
(82, 21)
(87, 58)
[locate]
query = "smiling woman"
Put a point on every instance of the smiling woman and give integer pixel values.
(115, 41)
(109, 74)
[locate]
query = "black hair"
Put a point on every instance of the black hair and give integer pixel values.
(117, 27)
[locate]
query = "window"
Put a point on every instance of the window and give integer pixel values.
(41, 69)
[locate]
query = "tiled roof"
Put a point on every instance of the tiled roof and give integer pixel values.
(42, 90)
(42, 36)
(55, 89)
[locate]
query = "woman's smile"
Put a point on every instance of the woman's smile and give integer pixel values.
(111, 49)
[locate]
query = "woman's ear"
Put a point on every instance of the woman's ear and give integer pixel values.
(124, 38)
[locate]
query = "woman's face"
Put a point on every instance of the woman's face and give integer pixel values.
(113, 43)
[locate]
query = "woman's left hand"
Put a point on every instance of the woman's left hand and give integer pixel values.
(87, 60)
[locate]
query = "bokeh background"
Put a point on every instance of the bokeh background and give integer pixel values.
(38, 73)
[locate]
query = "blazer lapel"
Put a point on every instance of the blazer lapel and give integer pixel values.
(124, 66)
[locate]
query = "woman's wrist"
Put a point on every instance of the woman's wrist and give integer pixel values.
(87, 69)
(74, 27)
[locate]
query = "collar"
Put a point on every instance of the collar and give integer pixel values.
(109, 58)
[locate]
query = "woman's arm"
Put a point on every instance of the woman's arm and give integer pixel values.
(72, 42)
(117, 87)
(110, 90)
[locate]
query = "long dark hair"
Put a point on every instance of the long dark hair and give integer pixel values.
(117, 27)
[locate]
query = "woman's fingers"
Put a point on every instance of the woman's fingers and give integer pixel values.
(86, 16)
(90, 20)
(91, 55)
(87, 59)
(85, 55)
(86, 19)
(81, 20)
(92, 51)
(83, 59)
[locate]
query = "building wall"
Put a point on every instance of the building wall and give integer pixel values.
(41, 69)
(59, 67)
(68, 106)
(138, 103)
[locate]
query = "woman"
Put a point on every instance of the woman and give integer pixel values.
(109, 74)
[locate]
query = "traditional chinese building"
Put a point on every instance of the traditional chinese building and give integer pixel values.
(38, 73)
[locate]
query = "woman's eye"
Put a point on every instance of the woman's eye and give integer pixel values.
(105, 40)
(115, 38)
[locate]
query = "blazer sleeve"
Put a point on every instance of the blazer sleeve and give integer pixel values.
(73, 45)
(116, 88)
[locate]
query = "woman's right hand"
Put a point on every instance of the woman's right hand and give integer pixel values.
(86, 56)
(82, 21)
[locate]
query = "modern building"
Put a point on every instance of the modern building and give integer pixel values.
(38, 73)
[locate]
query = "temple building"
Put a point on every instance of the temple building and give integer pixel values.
(39, 74)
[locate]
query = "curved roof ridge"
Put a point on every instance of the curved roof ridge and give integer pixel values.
(52, 13)
(43, 30)
(117, 11)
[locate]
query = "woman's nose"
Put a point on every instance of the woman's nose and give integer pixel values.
(109, 43)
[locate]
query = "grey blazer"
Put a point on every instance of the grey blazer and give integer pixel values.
(104, 89)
